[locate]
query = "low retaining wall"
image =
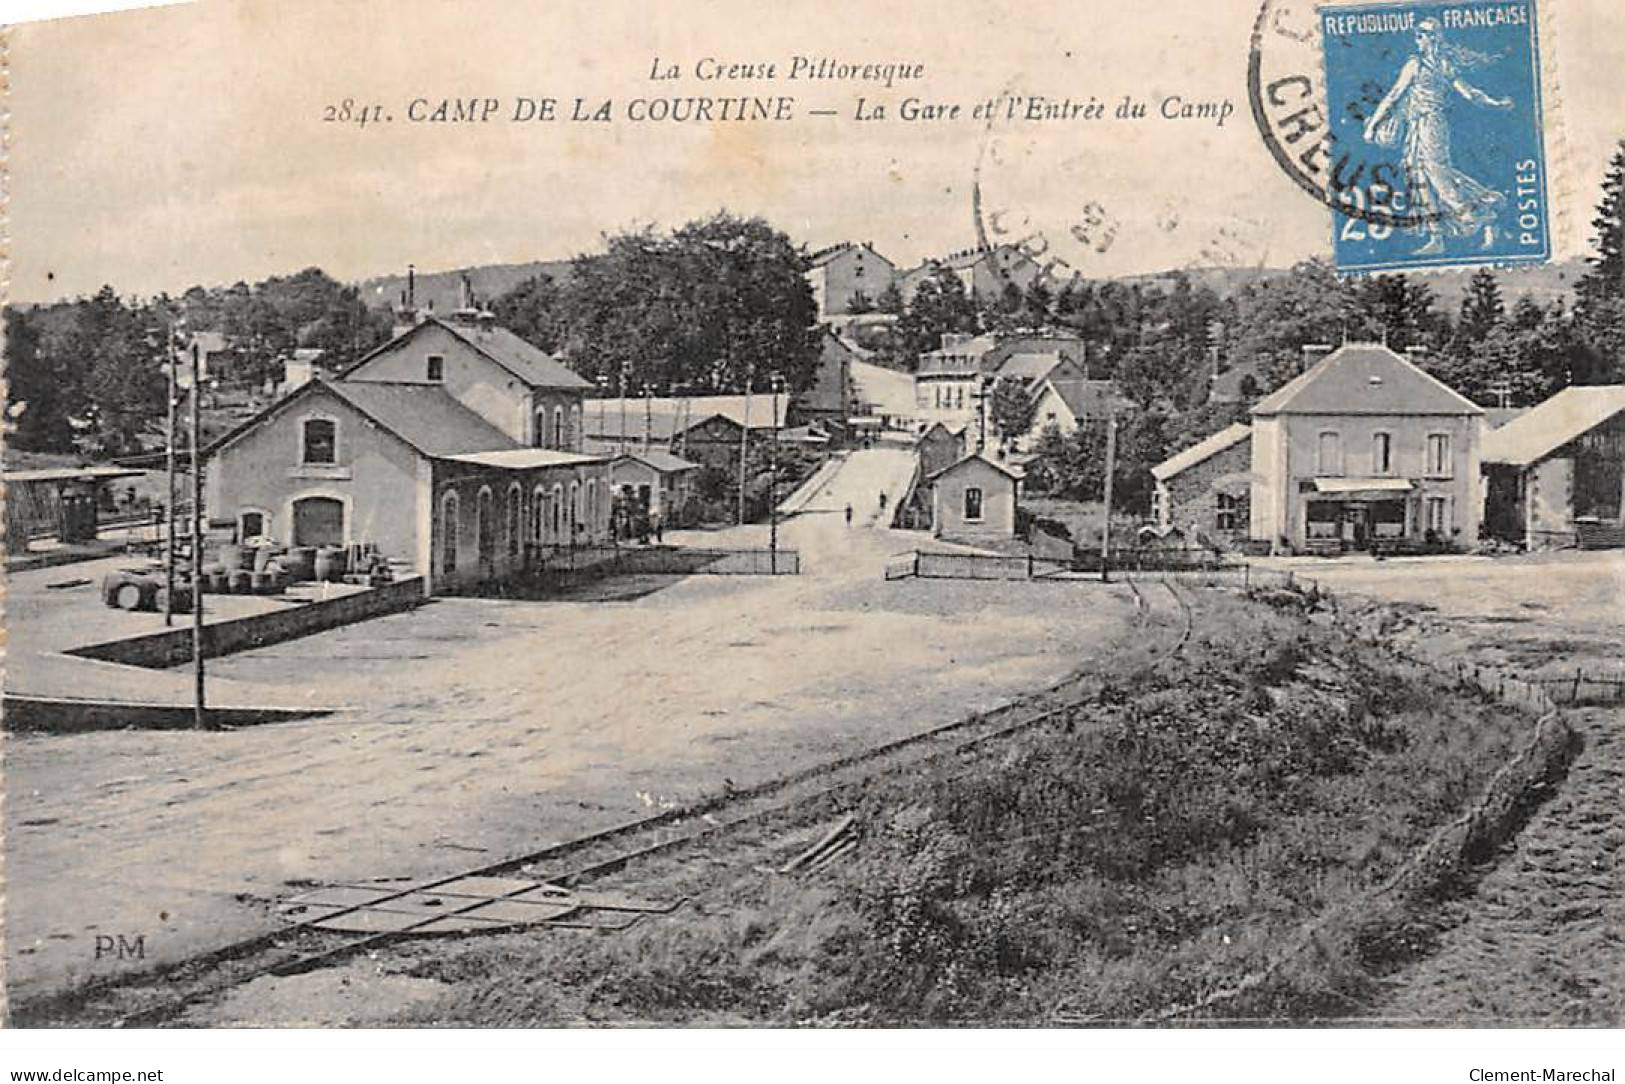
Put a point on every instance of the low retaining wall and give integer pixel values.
(160, 650)
(64, 715)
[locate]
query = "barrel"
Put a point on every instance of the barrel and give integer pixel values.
(300, 561)
(263, 556)
(330, 563)
(217, 582)
(265, 583)
(239, 581)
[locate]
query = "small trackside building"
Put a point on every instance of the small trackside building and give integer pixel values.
(1206, 490)
(1361, 449)
(652, 482)
(974, 501)
(1555, 474)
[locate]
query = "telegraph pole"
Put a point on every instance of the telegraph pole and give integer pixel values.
(744, 442)
(1106, 522)
(199, 715)
(169, 506)
(773, 493)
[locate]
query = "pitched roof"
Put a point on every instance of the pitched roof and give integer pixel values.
(825, 255)
(1542, 430)
(978, 457)
(424, 416)
(530, 364)
(533, 366)
(1201, 451)
(1364, 378)
(1007, 349)
(661, 461)
(666, 416)
(1087, 397)
(1029, 366)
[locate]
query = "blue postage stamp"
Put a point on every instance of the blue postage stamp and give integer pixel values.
(1437, 108)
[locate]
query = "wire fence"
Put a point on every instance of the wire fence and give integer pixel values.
(667, 561)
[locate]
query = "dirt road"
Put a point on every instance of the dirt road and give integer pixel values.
(488, 728)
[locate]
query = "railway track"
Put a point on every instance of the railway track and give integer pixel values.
(163, 995)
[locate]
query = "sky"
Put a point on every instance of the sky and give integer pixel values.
(166, 147)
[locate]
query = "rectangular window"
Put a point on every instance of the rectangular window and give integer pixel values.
(1438, 515)
(1382, 453)
(1439, 455)
(320, 444)
(1329, 454)
(1225, 518)
(973, 504)
(436, 369)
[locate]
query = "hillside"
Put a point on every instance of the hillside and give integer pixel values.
(444, 289)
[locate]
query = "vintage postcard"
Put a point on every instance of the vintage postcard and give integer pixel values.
(863, 515)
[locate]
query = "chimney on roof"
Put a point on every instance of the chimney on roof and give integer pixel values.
(1313, 353)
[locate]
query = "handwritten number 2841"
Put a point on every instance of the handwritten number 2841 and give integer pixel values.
(347, 112)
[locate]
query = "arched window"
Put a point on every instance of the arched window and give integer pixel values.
(575, 508)
(448, 532)
(538, 436)
(516, 517)
(558, 513)
(558, 427)
(538, 514)
(575, 427)
(592, 506)
(485, 527)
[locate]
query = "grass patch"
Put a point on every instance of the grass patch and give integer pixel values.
(1177, 831)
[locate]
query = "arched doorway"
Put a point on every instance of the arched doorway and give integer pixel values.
(318, 521)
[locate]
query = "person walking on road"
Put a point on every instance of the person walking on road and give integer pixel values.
(849, 515)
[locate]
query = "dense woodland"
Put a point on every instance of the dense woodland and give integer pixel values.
(721, 302)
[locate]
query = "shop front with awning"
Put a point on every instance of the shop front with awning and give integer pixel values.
(1354, 513)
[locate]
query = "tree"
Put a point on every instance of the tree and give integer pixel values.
(1482, 309)
(1399, 312)
(534, 310)
(717, 305)
(1599, 311)
(37, 398)
(1011, 408)
(890, 300)
(940, 306)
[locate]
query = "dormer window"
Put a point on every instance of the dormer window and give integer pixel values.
(435, 368)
